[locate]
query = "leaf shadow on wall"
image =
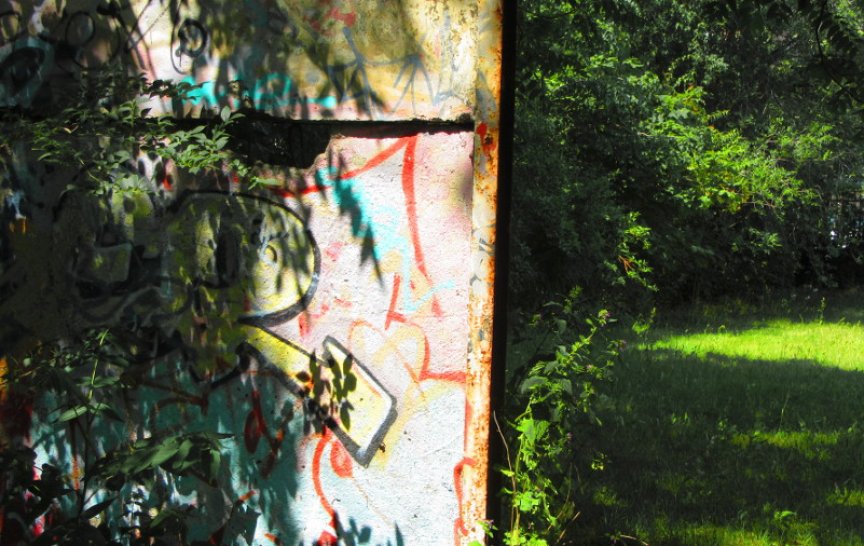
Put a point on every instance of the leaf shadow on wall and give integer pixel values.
(181, 283)
(188, 289)
(300, 60)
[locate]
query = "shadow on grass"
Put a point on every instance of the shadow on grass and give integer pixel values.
(720, 450)
(831, 306)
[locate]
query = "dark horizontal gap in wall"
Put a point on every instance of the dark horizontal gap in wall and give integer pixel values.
(296, 143)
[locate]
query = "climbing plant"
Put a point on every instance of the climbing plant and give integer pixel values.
(78, 380)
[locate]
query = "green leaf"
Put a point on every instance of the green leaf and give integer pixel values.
(164, 452)
(72, 413)
(215, 463)
(530, 383)
(567, 386)
(214, 437)
(561, 326)
(184, 449)
(105, 381)
(532, 429)
(527, 501)
(102, 407)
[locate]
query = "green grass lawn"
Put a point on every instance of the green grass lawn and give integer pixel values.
(738, 424)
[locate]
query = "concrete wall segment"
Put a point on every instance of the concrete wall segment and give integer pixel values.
(376, 260)
(376, 277)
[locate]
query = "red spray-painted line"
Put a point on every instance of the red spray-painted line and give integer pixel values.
(256, 428)
(316, 470)
(340, 460)
(425, 373)
(469, 415)
(391, 311)
(408, 162)
(303, 325)
(411, 209)
(326, 537)
(247, 495)
(459, 527)
(382, 156)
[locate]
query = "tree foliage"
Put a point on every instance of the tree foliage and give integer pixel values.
(79, 382)
(691, 148)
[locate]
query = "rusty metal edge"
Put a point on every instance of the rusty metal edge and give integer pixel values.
(487, 130)
(496, 511)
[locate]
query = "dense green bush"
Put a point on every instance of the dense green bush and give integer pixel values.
(671, 146)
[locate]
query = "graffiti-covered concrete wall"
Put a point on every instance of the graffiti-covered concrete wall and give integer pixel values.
(332, 327)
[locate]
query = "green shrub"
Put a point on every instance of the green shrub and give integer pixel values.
(551, 434)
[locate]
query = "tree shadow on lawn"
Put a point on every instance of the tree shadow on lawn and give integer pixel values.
(774, 449)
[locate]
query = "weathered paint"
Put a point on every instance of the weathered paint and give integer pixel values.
(483, 244)
(377, 260)
(312, 59)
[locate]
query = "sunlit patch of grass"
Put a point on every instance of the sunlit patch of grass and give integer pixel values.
(784, 531)
(715, 535)
(846, 497)
(707, 534)
(839, 345)
(737, 428)
(662, 530)
(811, 445)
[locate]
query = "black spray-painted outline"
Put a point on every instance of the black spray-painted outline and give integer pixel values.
(361, 454)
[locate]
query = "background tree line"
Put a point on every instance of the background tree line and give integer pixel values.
(685, 150)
